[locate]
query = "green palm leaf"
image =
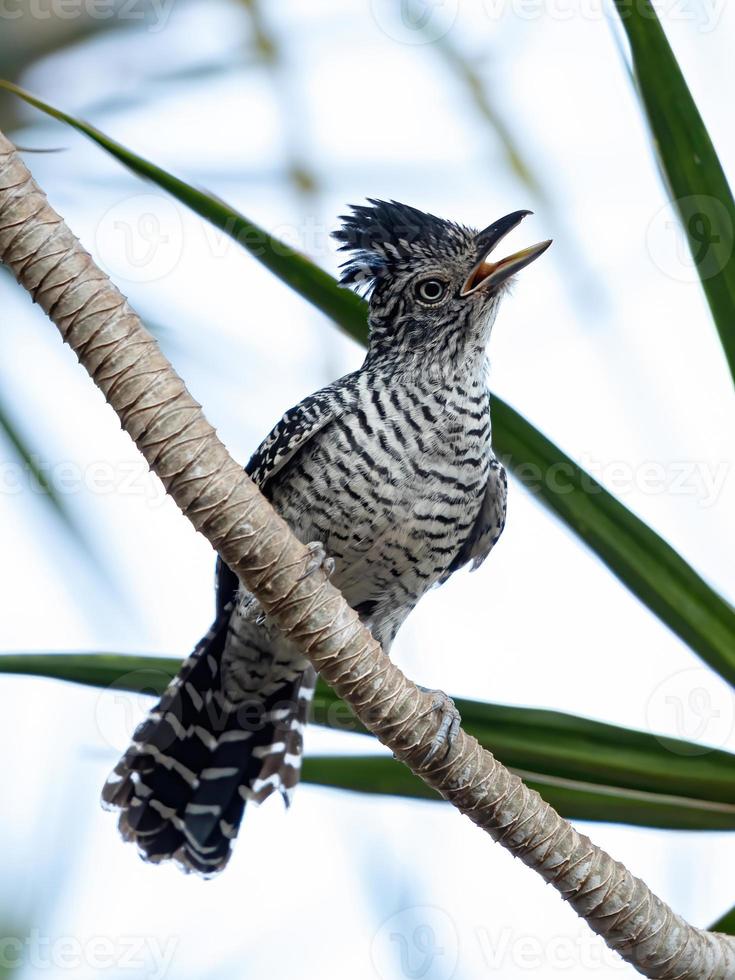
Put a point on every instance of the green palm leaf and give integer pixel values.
(573, 799)
(587, 769)
(692, 172)
(640, 558)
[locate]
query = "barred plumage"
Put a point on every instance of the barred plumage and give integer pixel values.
(390, 472)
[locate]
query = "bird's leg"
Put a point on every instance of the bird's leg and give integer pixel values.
(317, 559)
(449, 723)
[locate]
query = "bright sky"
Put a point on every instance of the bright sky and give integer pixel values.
(606, 345)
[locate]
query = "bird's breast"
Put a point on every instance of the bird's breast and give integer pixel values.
(392, 487)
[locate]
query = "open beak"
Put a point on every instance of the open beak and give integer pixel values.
(487, 275)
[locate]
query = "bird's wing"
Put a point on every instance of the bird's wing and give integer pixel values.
(300, 424)
(489, 523)
(297, 426)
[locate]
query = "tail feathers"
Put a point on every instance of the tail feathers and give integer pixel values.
(281, 760)
(195, 761)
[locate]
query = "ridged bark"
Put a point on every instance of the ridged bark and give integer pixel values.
(219, 499)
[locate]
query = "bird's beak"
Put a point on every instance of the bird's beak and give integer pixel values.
(487, 275)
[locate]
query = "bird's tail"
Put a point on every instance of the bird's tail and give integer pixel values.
(182, 785)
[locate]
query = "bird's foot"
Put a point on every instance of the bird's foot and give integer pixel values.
(250, 610)
(317, 559)
(448, 725)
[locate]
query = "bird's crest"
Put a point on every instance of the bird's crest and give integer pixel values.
(385, 236)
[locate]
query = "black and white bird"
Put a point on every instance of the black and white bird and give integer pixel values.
(389, 472)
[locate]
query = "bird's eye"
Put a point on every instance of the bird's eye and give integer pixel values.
(431, 290)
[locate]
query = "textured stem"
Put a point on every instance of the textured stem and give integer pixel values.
(219, 499)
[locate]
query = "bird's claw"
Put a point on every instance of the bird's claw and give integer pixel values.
(317, 559)
(449, 722)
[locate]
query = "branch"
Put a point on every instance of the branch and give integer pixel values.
(219, 499)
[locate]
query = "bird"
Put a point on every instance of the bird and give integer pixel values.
(389, 477)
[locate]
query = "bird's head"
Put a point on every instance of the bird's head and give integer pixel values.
(433, 285)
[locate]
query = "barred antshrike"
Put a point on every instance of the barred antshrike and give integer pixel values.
(389, 471)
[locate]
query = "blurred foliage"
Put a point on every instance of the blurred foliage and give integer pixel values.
(32, 31)
(13, 939)
(479, 95)
(32, 475)
(269, 53)
(31, 465)
(28, 33)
